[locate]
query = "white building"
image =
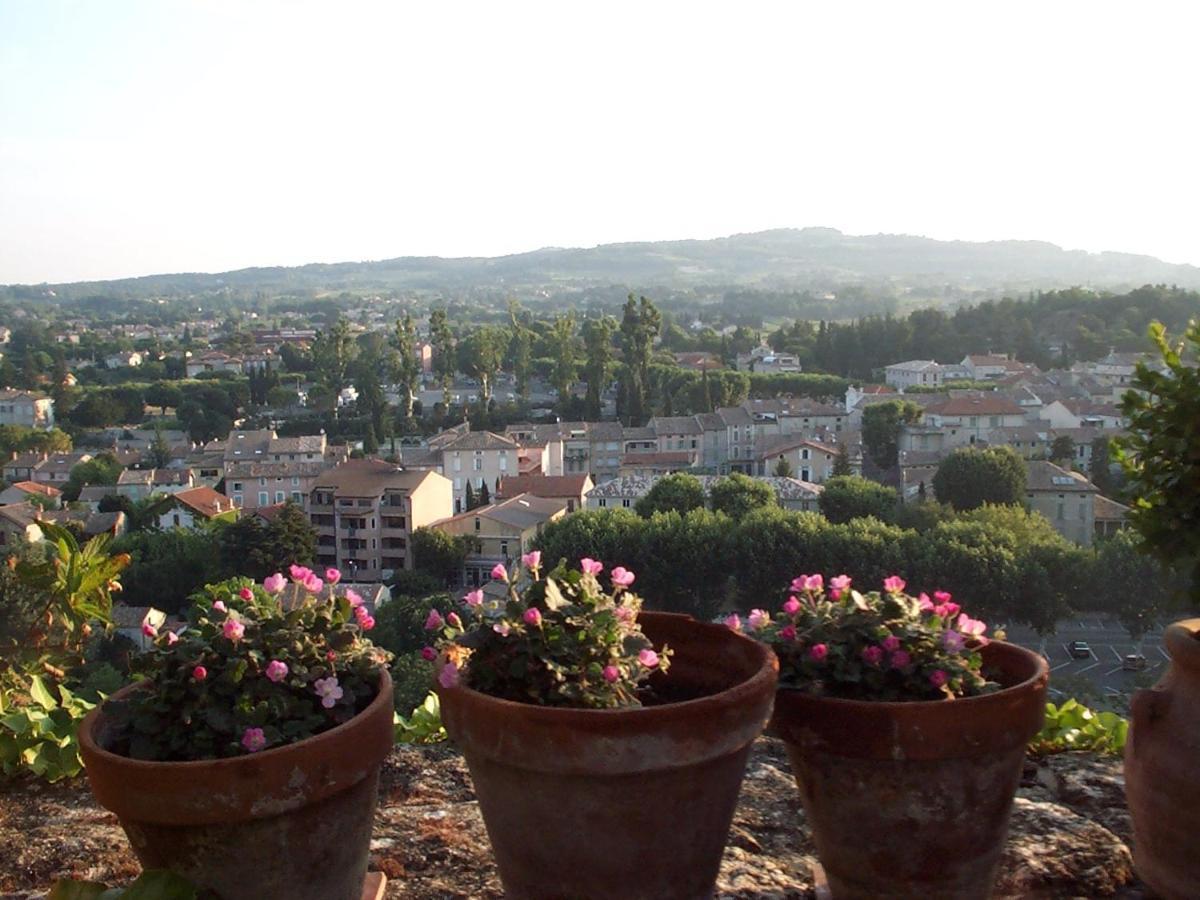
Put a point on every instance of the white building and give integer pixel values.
(914, 373)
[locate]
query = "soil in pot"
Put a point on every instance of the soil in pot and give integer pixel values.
(620, 804)
(912, 799)
(294, 821)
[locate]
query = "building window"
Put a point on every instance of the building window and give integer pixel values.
(625, 502)
(457, 463)
(603, 503)
(504, 549)
(279, 496)
(237, 499)
(263, 498)
(478, 464)
(295, 496)
(804, 453)
(477, 523)
(237, 485)
(295, 481)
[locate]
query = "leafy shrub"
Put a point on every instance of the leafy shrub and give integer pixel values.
(424, 725)
(1072, 726)
(42, 737)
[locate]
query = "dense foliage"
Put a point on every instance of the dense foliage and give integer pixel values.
(849, 497)
(1072, 726)
(969, 477)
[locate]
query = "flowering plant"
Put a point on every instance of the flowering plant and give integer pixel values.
(250, 671)
(882, 645)
(562, 640)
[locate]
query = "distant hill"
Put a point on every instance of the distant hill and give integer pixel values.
(778, 259)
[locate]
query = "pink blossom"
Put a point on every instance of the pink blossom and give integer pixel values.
(872, 655)
(328, 690)
(611, 674)
(219, 606)
(199, 673)
(273, 584)
(733, 622)
(428, 654)
(434, 621)
(276, 670)
(788, 632)
(818, 652)
(502, 628)
(891, 643)
(938, 677)
(312, 583)
(648, 658)
(590, 566)
(952, 641)
(330, 656)
(815, 583)
(799, 583)
(838, 585)
(246, 594)
(353, 597)
(532, 559)
(924, 603)
(757, 619)
(499, 572)
(233, 629)
(532, 616)
(970, 627)
(332, 576)
(451, 618)
(253, 739)
(941, 596)
(366, 623)
(299, 573)
(900, 659)
(149, 630)
(893, 584)
(949, 609)
(448, 676)
(474, 598)
(624, 613)
(622, 577)
(172, 638)
(792, 606)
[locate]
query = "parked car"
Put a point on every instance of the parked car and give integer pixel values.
(1079, 650)
(1133, 662)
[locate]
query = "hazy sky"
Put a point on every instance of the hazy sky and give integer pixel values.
(173, 136)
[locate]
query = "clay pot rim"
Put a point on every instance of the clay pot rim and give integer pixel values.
(1041, 672)
(1181, 641)
(767, 671)
(88, 742)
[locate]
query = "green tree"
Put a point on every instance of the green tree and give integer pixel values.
(562, 343)
(480, 356)
(469, 501)
(163, 394)
(640, 325)
(783, 468)
(881, 429)
(406, 370)
(737, 495)
(485, 496)
(970, 477)
(847, 497)
(598, 355)
(1100, 472)
(159, 453)
(441, 555)
(841, 462)
(332, 353)
(444, 362)
(680, 492)
(370, 442)
(1129, 584)
(1062, 450)
(102, 468)
(257, 549)
(168, 566)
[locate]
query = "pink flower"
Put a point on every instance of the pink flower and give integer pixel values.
(434, 621)
(622, 577)
(872, 655)
(590, 566)
(648, 658)
(448, 676)
(330, 656)
(233, 629)
(949, 609)
(352, 596)
(733, 621)
(299, 573)
(219, 606)
(838, 585)
(502, 628)
(328, 690)
(893, 584)
(332, 576)
(757, 619)
(788, 632)
(499, 572)
(366, 623)
(428, 654)
(814, 583)
(891, 643)
(624, 613)
(799, 583)
(938, 677)
(900, 659)
(970, 627)
(941, 596)
(312, 583)
(246, 594)
(792, 606)
(532, 616)
(818, 652)
(149, 630)
(172, 638)
(925, 604)
(273, 584)
(474, 598)
(451, 618)
(952, 641)
(532, 559)
(276, 670)
(199, 673)
(611, 674)
(253, 739)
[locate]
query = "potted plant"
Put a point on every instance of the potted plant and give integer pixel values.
(906, 728)
(606, 745)
(246, 756)
(1162, 467)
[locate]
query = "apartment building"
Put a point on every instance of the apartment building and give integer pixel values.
(570, 488)
(967, 419)
(262, 469)
(471, 457)
(28, 408)
(503, 531)
(1066, 498)
(914, 373)
(575, 448)
(56, 468)
(810, 461)
(365, 511)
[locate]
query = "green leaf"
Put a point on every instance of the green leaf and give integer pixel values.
(41, 694)
(76, 890)
(158, 884)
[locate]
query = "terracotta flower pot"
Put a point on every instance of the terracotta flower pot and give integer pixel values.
(1160, 770)
(912, 799)
(290, 822)
(631, 803)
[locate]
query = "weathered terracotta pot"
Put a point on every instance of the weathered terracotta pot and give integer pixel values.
(912, 799)
(620, 804)
(1161, 783)
(290, 822)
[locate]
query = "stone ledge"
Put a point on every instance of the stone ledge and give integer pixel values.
(1068, 838)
